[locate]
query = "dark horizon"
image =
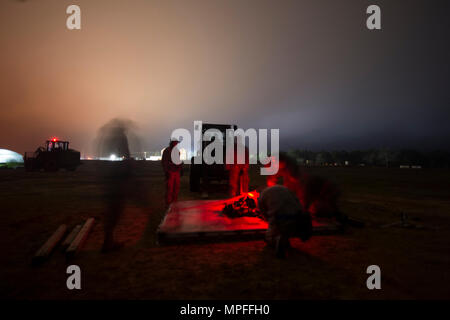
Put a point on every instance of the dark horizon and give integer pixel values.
(308, 68)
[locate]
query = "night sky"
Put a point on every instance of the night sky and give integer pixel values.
(310, 68)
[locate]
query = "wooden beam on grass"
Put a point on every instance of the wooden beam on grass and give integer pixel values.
(50, 244)
(81, 237)
(66, 243)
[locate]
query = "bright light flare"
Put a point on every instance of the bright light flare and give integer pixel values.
(253, 194)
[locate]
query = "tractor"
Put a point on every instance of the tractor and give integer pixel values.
(54, 156)
(202, 174)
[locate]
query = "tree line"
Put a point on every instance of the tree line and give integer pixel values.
(373, 157)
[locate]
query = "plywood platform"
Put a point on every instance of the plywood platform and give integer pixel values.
(202, 220)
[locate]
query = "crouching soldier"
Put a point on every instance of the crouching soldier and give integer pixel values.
(317, 195)
(285, 218)
(172, 171)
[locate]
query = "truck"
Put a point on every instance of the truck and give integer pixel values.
(54, 156)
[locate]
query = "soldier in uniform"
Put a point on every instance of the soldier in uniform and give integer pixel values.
(285, 218)
(316, 194)
(172, 171)
(238, 172)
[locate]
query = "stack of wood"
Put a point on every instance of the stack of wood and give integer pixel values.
(72, 243)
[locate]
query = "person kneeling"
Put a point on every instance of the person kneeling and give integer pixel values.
(285, 218)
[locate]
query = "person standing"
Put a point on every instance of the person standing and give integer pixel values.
(238, 170)
(172, 166)
(117, 179)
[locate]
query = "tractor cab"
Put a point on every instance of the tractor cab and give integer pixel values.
(56, 145)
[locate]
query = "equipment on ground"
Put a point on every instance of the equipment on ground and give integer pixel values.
(244, 206)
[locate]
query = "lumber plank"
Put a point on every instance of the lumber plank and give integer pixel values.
(70, 237)
(81, 237)
(50, 244)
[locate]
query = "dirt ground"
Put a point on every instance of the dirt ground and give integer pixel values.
(414, 262)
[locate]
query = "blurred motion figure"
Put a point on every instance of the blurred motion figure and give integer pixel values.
(118, 176)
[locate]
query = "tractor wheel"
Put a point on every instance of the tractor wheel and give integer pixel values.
(51, 166)
(194, 178)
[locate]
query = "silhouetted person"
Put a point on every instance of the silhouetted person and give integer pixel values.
(238, 172)
(117, 178)
(172, 171)
(285, 217)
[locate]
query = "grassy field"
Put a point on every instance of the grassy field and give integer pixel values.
(415, 262)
